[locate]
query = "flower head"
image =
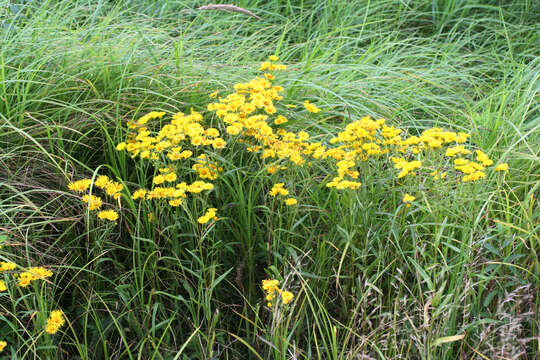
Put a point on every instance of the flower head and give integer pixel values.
(55, 321)
(502, 167)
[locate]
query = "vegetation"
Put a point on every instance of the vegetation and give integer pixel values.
(380, 201)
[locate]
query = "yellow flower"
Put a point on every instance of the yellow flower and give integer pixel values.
(33, 273)
(94, 202)
(218, 143)
(280, 120)
(159, 179)
(278, 189)
(270, 285)
(102, 181)
(483, 158)
(3, 286)
(79, 185)
(502, 167)
(110, 215)
(408, 199)
(286, 297)
(273, 58)
(3, 345)
(311, 107)
(210, 214)
(291, 202)
(112, 188)
(121, 146)
(170, 177)
(214, 94)
(55, 321)
(141, 193)
(6, 266)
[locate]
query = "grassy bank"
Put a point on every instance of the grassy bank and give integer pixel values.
(456, 274)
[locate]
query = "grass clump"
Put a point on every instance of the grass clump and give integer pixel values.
(193, 204)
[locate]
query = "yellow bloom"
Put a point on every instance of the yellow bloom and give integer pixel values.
(170, 177)
(270, 285)
(79, 185)
(55, 321)
(311, 107)
(33, 273)
(3, 345)
(94, 202)
(408, 199)
(141, 193)
(219, 143)
(502, 167)
(3, 286)
(121, 146)
(6, 266)
(278, 189)
(483, 158)
(210, 214)
(102, 181)
(110, 215)
(286, 297)
(159, 179)
(280, 120)
(273, 58)
(291, 202)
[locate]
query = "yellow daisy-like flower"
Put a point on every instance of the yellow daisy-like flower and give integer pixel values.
(210, 214)
(286, 297)
(79, 185)
(3, 286)
(139, 194)
(110, 215)
(502, 167)
(94, 202)
(291, 202)
(3, 345)
(312, 108)
(407, 199)
(33, 273)
(55, 321)
(6, 266)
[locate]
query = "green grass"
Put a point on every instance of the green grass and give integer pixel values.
(369, 282)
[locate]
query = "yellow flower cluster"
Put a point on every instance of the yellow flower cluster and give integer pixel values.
(55, 321)
(25, 277)
(94, 202)
(109, 187)
(210, 215)
(165, 146)
(405, 166)
(278, 189)
(249, 111)
(291, 202)
(408, 199)
(167, 141)
(271, 288)
(110, 215)
(34, 273)
(205, 168)
(6, 266)
(312, 108)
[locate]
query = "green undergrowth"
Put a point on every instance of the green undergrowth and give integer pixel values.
(457, 275)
